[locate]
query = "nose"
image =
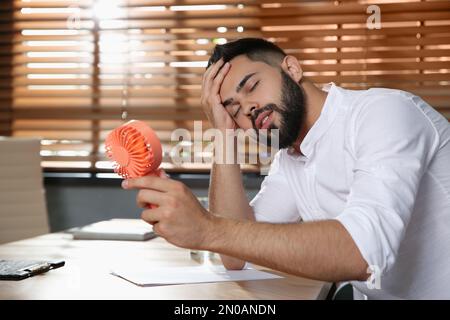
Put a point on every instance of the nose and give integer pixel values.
(250, 109)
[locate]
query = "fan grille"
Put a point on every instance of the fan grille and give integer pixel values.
(130, 150)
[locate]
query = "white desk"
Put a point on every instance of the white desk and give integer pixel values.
(86, 273)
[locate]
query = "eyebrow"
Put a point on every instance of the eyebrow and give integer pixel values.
(239, 88)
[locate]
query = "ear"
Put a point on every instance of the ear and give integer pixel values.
(292, 67)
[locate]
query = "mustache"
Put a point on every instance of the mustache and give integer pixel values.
(267, 107)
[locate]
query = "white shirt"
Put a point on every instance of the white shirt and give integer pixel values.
(378, 161)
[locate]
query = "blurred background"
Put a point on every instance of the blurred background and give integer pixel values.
(71, 71)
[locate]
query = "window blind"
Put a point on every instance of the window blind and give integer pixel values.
(70, 71)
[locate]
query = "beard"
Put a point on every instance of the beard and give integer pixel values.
(292, 112)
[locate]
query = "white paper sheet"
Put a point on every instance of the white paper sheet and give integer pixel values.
(190, 274)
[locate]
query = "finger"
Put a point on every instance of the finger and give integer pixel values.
(148, 182)
(152, 216)
(156, 229)
(225, 65)
(207, 73)
(214, 70)
(219, 78)
(208, 78)
(216, 67)
(146, 196)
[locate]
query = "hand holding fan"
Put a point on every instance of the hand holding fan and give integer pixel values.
(135, 149)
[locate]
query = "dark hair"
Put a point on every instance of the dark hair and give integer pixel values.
(255, 49)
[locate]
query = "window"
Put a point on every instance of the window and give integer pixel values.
(71, 70)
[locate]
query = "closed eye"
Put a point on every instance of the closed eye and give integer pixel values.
(254, 86)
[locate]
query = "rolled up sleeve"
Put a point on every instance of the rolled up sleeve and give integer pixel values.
(393, 143)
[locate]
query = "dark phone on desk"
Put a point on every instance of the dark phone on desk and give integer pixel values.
(22, 269)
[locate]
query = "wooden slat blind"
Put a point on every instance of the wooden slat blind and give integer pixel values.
(69, 69)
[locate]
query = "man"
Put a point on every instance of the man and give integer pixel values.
(365, 172)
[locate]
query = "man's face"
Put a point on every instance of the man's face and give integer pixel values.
(259, 96)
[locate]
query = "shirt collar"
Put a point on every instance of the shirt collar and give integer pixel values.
(327, 115)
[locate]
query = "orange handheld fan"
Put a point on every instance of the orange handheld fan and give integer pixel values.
(135, 149)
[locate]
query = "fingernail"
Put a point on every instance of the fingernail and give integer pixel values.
(125, 184)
